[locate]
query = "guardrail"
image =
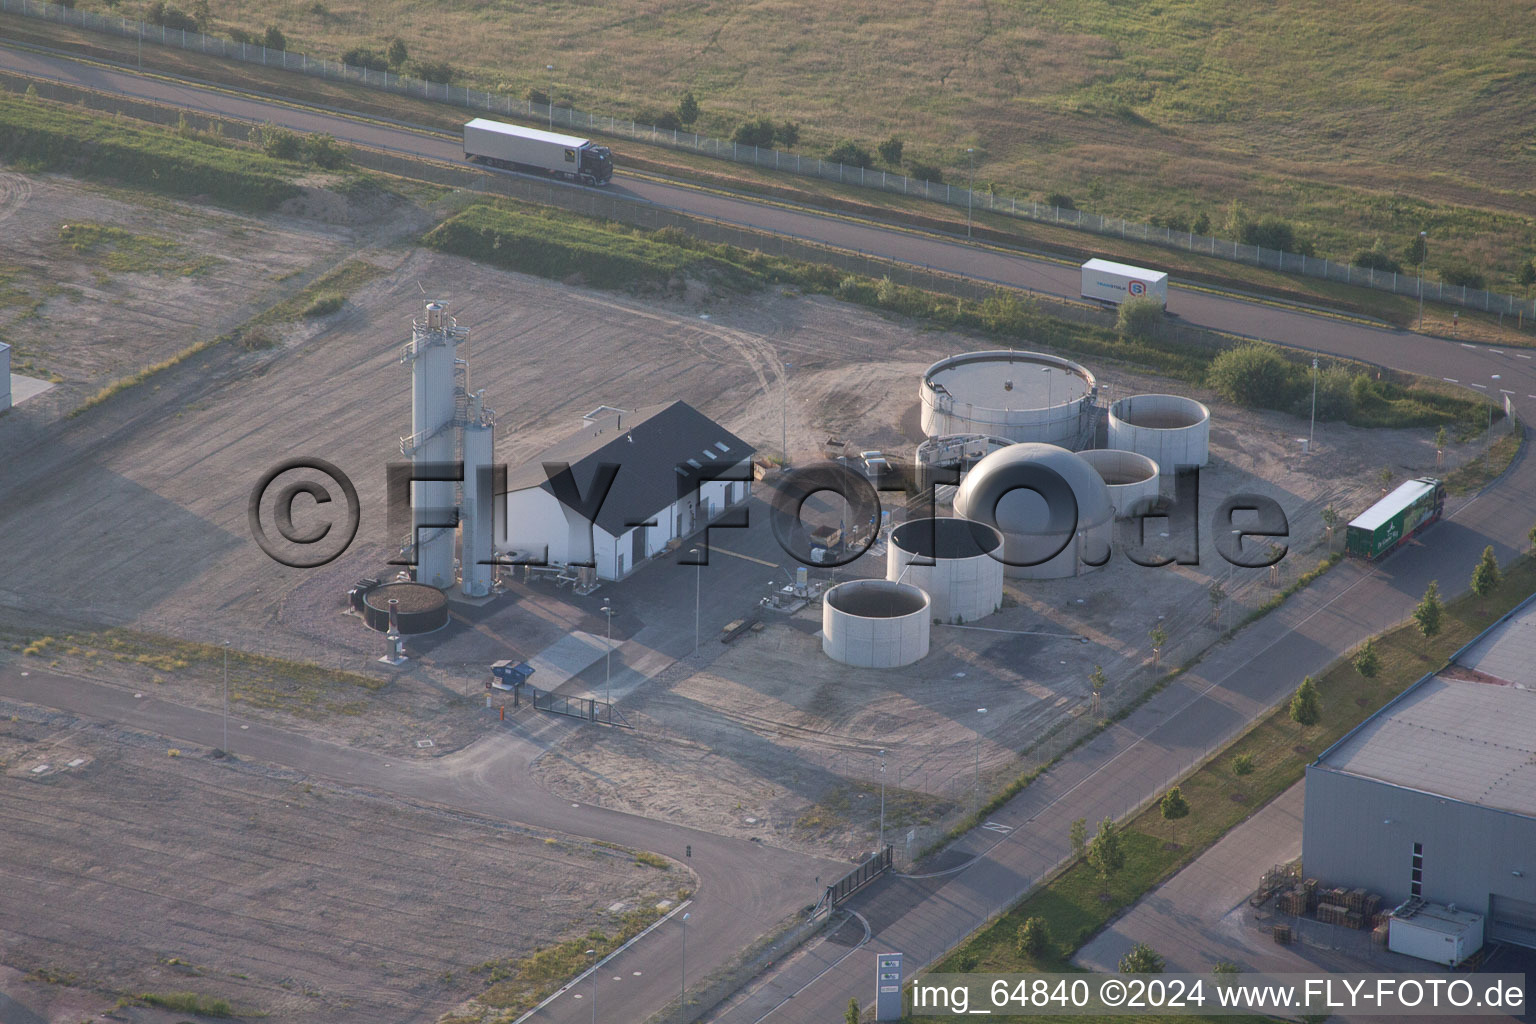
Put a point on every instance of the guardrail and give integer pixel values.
(560, 116)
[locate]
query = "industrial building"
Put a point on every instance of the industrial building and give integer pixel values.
(673, 471)
(1433, 798)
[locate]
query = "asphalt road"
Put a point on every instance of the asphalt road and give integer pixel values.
(919, 916)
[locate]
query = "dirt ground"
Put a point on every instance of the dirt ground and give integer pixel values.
(158, 482)
(129, 871)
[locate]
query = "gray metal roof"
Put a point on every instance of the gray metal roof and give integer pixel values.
(1392, 504)
(660, 454)
(1467, 740)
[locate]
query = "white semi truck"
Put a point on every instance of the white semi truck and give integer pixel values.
(533, 149)
(1113, 283)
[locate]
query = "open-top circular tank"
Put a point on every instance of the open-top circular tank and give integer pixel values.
(956, 562)
(1132, 479)
(874, 623)
(1022, 396)
(1171, 430)
(419, 608)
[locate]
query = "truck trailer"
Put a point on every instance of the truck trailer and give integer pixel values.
(535, 150)
(1113, 283)
(1395, 518)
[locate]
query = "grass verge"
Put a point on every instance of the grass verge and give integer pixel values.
(1078, 902)
(1474, 474)
(186, 1002)
(38, 135)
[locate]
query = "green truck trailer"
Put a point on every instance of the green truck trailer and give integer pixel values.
(1395, 518)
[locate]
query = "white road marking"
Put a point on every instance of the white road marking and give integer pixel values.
(993, 826)
(1497, 351)
(1521, 355)
(1465, 345)
(1483, 386)
(1450, 380)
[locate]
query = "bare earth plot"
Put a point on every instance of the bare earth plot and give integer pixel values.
(129, 871)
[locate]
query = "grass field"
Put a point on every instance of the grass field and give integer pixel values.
(1078, 902)
(1173, 109)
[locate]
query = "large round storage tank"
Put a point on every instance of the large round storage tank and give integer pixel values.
(956, 562)
(1022, 396)
(874, 624)
(418, 608)
(1052, 508)
(1132, 479)
(1170, 430)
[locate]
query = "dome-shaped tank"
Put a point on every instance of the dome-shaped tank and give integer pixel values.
(1171, 430)
(1133, 480)
(1022, 396)
(874, 624)
(957, 563)
(1052, 508)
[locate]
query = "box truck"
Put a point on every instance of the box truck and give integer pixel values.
(1113, 283)
(1395, 518)
(533, 149)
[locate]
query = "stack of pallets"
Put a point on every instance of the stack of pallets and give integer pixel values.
(1283, 934)
(1333, 913)
(1293, 901)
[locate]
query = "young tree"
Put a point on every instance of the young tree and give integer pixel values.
(1330, 520)
(1159, 637)
(1097, 681)
(1528, 273)
(273, 39)
(1485, 578)
(1384, 475)
(851, 1015)
(201, 14)
(1531, 536)
(1173, 805)
(1217, 593)
(1225, 967)
(1367, 661)
(890, 151)
(1034, 937)
(1429, 611)
(1106, 852)
(687, 109)
(396, 53)
(1441, 437)
(1306, 709)
(1142, 959)
(1079, 837)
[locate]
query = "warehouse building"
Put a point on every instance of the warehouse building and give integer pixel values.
(1434, 796)
(673, 470)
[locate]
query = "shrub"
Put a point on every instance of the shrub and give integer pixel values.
(756, 132)
(1269, 232)
(1060, 199)
(1462, 273)
(163, 14)
(1306, 709)
(280, 143)
(1142, 959)
(273, 39)
(439, 71)
(666, 121)
(1485, 577)
(1255, 375)
(1376, 258)
(851, 154)
(1335, 386)
(1242, 764)
(890, 151)
(1139, 318)
(1367, 662)
(925, 172)
(324, 151)
(324, 305)
(1173, 806)
(396, 52)
(538, 96)
(787, 135)
(1034, 937)
(363, 57)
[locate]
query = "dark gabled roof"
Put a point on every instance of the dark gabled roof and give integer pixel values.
(658, 454)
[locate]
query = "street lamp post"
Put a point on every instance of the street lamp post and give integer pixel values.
(1489, 439)
(976, 801)
(608, 654)
(970, 189)
(1423, 254)
(226, 696)
(698, 586)
(550, 68)
(881, 845)
(784, 414)
(593, 954)
(1312, 430)
(683, 997)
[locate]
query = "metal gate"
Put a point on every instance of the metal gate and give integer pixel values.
(1512, 920)
(877, 865)
(588, 709)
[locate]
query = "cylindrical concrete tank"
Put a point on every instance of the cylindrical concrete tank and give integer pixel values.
(1170, 430)
(956, 562)
(1132, 479)
(1052, 508)
(874, 624)
(1022, 396)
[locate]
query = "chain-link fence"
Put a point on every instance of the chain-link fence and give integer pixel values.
(556, 115)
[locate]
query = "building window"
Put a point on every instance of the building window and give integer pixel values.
(1416, 883)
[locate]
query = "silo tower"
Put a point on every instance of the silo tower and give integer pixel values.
(435, 420)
